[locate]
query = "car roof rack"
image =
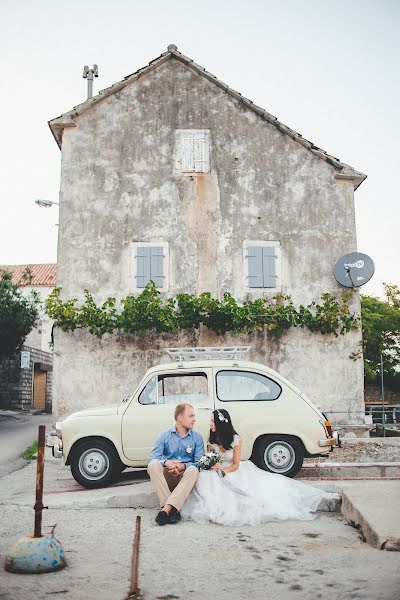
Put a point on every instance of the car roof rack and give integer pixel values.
(207, 353)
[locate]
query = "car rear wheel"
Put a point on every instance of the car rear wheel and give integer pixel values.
(95, 463)
(281, 454)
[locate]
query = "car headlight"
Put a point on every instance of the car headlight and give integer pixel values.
(58, 429)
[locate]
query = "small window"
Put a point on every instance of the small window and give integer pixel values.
(245, 386)
(192, 150)
(149, 393)
(262, 265)
(191, 387)
(150, 263)
(174, 389)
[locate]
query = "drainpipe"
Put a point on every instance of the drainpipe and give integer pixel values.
(383, 398)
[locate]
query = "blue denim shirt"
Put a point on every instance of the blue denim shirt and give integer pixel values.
(171, 446)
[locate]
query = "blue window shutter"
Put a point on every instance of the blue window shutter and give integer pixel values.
(269, 267)
(255, 262)
(143, 254)
(157, 265)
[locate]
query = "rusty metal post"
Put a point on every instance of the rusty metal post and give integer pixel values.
(134, 591)
(39, 483)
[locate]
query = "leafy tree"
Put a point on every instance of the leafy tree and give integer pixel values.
(18, 314)
(381, 335)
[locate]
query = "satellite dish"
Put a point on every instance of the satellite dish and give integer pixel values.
(354, 269)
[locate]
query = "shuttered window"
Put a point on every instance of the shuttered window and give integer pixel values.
(192, 150)
(262, 263)
(149, 266)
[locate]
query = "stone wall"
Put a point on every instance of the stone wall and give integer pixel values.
(16, 384)
(91, 372)
(372, 393)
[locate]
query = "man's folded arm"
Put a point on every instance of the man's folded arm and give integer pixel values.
(157, 453)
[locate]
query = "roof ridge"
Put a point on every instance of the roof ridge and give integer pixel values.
(58, 124)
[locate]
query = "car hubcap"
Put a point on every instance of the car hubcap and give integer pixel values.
(279, 457)
(94, 464)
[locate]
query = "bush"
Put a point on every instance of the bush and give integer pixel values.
(18, 315)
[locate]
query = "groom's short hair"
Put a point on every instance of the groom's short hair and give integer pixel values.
(180, 409)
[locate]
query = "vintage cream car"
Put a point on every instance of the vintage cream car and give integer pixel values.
(278, 424)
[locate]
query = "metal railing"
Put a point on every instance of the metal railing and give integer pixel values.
(388, 414)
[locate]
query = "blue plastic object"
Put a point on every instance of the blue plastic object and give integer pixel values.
(36, 555)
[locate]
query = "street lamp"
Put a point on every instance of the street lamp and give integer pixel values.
(45, 203)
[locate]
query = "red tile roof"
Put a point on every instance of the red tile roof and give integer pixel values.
(41, 274)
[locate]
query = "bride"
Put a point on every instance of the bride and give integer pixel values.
(238, 493)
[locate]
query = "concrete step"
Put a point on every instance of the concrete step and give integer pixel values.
(349, 470)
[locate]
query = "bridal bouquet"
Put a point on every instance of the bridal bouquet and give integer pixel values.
(210, 459)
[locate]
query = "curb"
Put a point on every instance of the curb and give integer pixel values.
(351, 469)
(356, 519)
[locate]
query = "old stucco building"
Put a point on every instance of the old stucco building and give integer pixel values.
(171, 175)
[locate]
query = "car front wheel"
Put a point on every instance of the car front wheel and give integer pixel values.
(94, 463)
(281, 454)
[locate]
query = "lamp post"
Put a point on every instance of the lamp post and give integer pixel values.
(45, 203)
(383, 399)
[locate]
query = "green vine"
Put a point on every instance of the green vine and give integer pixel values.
(148, 311)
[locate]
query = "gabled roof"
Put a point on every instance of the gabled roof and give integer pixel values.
(57, 125)
(41, 275)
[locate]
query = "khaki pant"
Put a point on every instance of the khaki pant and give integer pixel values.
(172, 489)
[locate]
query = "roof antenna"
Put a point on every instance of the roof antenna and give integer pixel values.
(88, 74)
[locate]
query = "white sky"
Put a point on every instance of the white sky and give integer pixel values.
(329, 70)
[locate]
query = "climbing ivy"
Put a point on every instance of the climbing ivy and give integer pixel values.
(148, 311)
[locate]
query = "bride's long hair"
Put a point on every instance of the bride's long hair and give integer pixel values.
(224, 430)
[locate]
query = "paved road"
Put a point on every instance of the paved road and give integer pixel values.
(315, 559)
(324, 558)
(17, 431)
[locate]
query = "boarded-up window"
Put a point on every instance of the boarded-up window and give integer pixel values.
(192, 150)
(262, 262)
(149, 266)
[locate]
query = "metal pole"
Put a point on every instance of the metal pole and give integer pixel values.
(135, 562)
(383, 398)
(39, 483)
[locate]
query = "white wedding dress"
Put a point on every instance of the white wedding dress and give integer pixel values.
(250, 496)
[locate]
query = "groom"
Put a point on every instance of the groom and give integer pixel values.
(173, 464)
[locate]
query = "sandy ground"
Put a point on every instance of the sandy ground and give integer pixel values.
(299, 560)
(289, 560)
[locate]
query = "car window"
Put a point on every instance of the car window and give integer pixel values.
(149, 393)
(244, 385)
(183, 387)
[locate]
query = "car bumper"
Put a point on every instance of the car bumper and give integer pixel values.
(330, 441)
(57, 449)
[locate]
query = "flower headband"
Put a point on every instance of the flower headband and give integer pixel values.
(221, 417)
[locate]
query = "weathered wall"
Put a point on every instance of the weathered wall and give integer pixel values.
(102, 372)
(118, 186)
(40, 336)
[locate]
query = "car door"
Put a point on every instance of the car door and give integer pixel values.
(250, 398)
(151, 410)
